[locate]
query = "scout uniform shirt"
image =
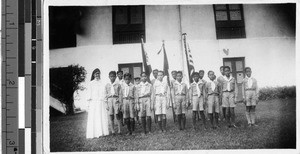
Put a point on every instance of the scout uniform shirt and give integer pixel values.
(249, 84)
(128, 93)
(180, 89)
(143, 89)
(196, 94)
(143, 94)
(180, 93)
(113, 97)
(212, 87)
(228, 84)
(113, 90)
(196, 89)
(160, 96)
(212, 90)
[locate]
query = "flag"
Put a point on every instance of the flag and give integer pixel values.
(166, 64)
(146, 63)
(166, 72)
(190, 63)
(189, 59)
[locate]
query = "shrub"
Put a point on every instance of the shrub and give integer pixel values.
(64, 81)
(285, 92)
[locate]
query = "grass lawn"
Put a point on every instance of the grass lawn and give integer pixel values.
(276, 120)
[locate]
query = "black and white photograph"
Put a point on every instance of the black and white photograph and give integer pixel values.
(170, 76)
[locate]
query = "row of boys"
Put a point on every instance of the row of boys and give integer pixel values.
(128, 101)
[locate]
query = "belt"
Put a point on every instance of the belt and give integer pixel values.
(161, 95)
(128, 98)
(144, 96)
(114, 96)
(228, 91)
(180, 95)
(213, 94)
(250, 89)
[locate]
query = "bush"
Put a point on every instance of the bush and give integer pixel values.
(285, 92)
(64, 81)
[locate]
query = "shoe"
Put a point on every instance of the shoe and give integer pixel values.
(249, 125)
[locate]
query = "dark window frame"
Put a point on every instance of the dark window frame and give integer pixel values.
(137, 29)
(230, 24)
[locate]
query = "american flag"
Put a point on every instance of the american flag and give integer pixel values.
(190, 63)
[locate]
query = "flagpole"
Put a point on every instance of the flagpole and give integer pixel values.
(180, 35)
(166, 70)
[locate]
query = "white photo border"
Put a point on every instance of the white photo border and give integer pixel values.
(45, 60)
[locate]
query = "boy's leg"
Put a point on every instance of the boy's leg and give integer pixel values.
(127, 122)
(227, 111)
(196, 104)
(159, 121)
(211, 117)
(164, 122)
(224, 113)
(216, 110)
(149, 122)
(203, 118)
(183, 121)
(143, 119)
(132, 123)
(119, 122)
(194, 119)
(232, 106)
(232, 117)
(112, 124)
(179, 121)
(217, 119)
(198, 115)
(210, 106)
(253, 116)
(111, 115)
(248, 116)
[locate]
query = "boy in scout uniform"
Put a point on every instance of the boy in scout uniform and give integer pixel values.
(174, 74)
(160, 97)
(154, 72)
(220, 80)
(196, 98)
(143, 94)
(212, 93)
(137, 81)
(202, 81)
(180, 100)
(229, 90)
(113, 98)
(250, 96)
(128, 93)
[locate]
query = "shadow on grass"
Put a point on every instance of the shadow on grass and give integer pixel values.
(276, 120)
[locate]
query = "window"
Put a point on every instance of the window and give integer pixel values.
(128, 24)
(63, 26)
(229, 21)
